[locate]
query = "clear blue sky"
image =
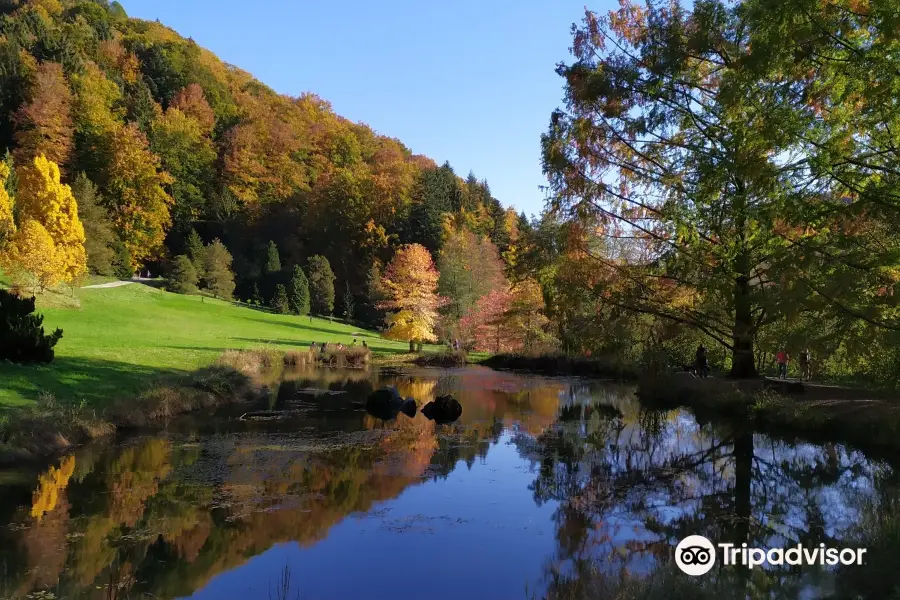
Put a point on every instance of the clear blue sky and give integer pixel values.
(469, 81)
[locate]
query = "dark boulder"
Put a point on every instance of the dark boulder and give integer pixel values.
(444, 409)
(387, 402)
(409, 408)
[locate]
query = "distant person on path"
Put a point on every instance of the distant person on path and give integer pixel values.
(365, 344)
(782, 359)
(805, 366)
(353, 345)
(701, 363)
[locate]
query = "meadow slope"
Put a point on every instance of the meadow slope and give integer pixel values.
(121, 339)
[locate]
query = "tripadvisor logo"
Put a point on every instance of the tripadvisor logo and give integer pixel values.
(695, 555)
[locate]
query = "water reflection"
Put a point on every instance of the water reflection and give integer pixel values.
(541, 482)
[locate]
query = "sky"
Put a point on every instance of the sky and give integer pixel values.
(469, 81)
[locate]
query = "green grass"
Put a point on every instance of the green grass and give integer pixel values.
(121, 339)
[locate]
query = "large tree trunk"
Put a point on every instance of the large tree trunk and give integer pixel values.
(743, 363)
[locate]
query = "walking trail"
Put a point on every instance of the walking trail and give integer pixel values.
(115, 284)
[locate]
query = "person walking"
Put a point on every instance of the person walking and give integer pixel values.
(782, 360)
(805, 365)
(701, 362)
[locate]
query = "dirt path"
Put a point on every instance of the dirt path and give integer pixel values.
(115, 284)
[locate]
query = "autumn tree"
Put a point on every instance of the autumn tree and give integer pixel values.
(7, 224)
(670, 142)
(135, 191)
(299, 292)
(217, 275)
(470, 268)
(321, 285)
(188, 156)
(192, 102)
(410, 285)
(44, 123)
(183, 276)
(42, 198)
(31, 256)
(484, 326)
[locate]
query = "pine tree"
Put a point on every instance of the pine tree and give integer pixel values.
(122, 264)
(273, 260)
(280, 302)
(321, 285)
(183, 276)
(217, 274)
(256, 299)
(100, 239)
(193, 248)
(299, 292)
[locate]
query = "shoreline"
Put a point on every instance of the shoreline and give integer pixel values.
(866, 420)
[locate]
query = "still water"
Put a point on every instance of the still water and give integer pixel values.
(540, 482)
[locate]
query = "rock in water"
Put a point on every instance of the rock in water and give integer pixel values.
(444, 409)
(409, 408)
(385, 403)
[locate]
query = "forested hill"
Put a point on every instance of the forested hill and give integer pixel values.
(173, 139)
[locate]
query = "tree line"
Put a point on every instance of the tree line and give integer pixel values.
(131, 149)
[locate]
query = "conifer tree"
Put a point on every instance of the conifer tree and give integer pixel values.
(299, 296)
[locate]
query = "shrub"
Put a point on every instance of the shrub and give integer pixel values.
(22, 337)
(183, 276)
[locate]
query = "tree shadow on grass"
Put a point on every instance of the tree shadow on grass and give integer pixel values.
(306, 327)
(96, 383)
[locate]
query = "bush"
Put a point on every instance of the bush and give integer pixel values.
(22, 337)
(183, 276)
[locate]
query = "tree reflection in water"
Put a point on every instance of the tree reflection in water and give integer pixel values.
(161, 515)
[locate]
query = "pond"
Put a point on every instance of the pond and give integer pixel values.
(541, 482)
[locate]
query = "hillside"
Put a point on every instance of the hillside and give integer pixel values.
(175, 140)
(124, 337)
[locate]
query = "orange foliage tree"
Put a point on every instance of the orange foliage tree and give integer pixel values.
(44, 122)
(410, 285)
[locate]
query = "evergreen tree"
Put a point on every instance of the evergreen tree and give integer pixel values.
(183, 277)
(193, 248)
(122, 264)
(100, 239)
(321, 285)
(280, 303)
(273, 260)
(217, 274)
(299, 297)
(256, 298)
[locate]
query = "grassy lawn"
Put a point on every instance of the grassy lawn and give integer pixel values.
(121, 339)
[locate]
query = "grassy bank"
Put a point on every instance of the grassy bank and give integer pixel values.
(120, 340)
(50, 427)
(560, 364)
(825, 413)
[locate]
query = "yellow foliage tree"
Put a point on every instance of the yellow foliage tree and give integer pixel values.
(44, 199)
(410, 284)
(7, 224)
(32, 254)
(140, 204)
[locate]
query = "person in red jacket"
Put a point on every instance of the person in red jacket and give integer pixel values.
(782, 359)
